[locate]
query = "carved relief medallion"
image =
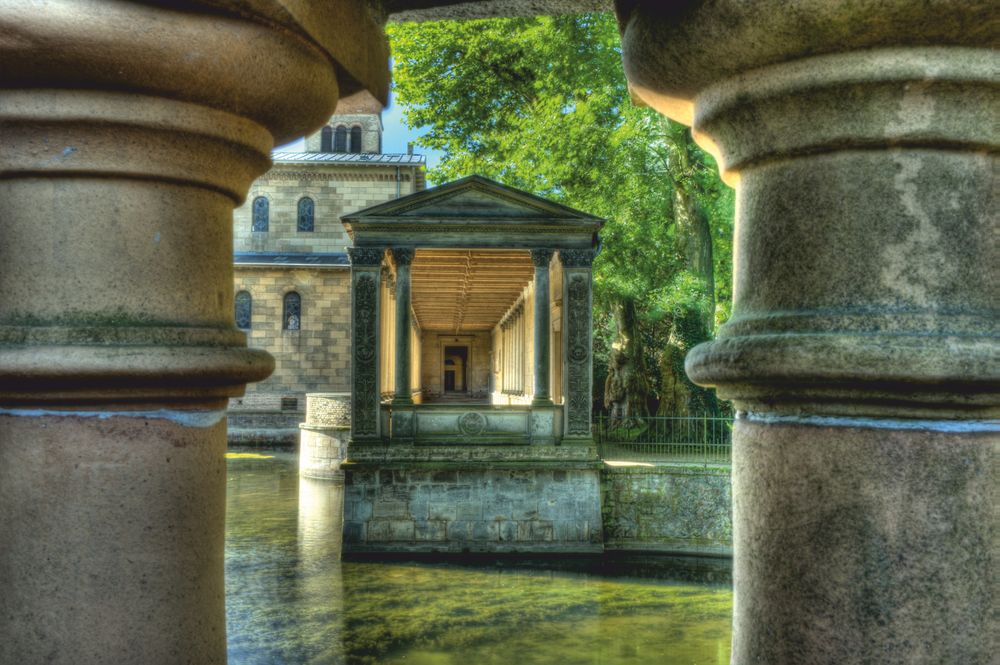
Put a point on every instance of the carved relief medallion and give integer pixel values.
(472, 423)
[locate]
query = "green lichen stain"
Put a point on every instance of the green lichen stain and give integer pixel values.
(291, 600)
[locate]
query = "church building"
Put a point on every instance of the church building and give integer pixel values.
(291, 271)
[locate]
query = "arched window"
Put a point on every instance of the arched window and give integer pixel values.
(261, 209)
(355, 139)
(244, 310)
(306, 214)
(340, 139)
(292, 314)
(326, 139)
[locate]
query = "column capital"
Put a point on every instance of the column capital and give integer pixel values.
(366, 256)
(862, 155)
(576, 258)
(541, 257)
(403, 256)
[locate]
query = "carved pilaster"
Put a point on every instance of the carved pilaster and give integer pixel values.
(365, 256)
(576, 258)
(578, 371)
(365, 275)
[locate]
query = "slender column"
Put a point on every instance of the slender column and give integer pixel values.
(129, 131)
(402, 256)
(541, 258)
(579, 372)
(366, 266)
(862, 352)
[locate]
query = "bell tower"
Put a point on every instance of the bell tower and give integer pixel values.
(355, 127)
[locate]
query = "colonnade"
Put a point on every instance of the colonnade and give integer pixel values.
(366, 266)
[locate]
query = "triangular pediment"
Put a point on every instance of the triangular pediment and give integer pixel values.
(475, 199)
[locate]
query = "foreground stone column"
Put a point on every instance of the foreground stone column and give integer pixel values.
(578, 367)
(863, 349)
(366, 266)
(403, 257)
(541, 258)
(128, 133)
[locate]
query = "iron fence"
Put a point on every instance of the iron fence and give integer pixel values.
(700, 439)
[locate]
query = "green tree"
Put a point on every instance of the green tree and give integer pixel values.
(541, 104)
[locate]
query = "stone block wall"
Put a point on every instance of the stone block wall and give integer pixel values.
(670, 508)
(315, 358)
(484, 508)
(335, 191)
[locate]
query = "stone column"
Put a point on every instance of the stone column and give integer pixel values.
(402, 256)
(366, 266)
(541, 258)
(129, 131)
(578, 319)
(863, 349)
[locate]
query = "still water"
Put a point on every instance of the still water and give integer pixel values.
(291, 601)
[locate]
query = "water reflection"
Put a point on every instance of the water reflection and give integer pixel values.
(290, 600)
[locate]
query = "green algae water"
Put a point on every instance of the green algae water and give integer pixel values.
(290, 600)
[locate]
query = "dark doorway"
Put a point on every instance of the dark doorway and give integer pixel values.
(456, 361)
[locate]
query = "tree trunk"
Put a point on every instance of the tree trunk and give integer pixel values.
(627, 387)
(693, 231)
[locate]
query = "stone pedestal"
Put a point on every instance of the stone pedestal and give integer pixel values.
(129, 132)
(863, 347)
(324, 435)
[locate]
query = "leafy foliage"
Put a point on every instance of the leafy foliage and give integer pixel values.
(542, 104)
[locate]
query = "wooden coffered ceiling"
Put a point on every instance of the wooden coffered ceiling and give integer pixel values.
(466, 290)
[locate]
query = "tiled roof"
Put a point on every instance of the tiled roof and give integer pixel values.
(290, 259)
(347, 158)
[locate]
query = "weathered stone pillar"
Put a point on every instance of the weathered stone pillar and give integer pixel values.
(578, 319)
(402, 256)
(366, 266)
(541, 258)
(863, 349)
(129, 131)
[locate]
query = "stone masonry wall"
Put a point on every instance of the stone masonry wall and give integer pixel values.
(335, 191)
(669, 508)
(474, 509)
(313, 359)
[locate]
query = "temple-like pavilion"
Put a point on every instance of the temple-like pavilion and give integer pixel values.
(471, 318)
(471, 374)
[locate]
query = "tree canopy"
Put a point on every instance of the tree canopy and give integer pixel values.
(542, 104)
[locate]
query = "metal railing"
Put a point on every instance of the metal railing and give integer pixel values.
(699, 439)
